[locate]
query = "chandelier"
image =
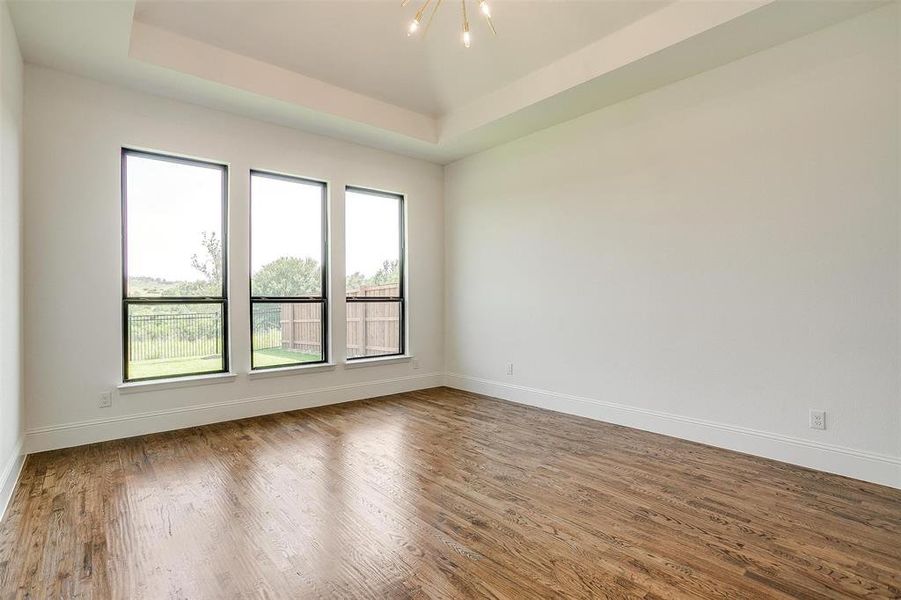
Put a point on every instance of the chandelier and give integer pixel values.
(416, 23)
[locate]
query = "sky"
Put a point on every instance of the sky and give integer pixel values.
(286, 220)
(171, 205)
(371, 231)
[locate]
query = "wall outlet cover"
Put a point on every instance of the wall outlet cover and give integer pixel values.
(818, 419)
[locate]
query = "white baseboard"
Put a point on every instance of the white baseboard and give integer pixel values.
(99, 430)
(859, 464)
(9, 476)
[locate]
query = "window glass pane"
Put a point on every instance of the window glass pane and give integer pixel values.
(286, 333)
(373, 328)
(372, 233)
(174, 228)
(165, 340)
(286, 237)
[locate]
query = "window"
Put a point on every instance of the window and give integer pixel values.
(288, 250)
(174, 271)
(374, 233)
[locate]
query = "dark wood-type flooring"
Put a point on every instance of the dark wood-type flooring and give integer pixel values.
(439, 494)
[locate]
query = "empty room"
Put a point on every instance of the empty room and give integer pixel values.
(512, 299)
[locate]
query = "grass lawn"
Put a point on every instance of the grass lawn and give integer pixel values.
(270, 357)
(273, 357)
(174, 366)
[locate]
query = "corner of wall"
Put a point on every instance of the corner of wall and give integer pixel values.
(9, 476)
(12, 398)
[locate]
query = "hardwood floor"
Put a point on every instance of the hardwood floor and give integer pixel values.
(439, 494)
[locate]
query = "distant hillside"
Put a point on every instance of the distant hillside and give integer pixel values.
(150, 286)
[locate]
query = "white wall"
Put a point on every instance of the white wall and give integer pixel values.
(898, 75)
(709, 260)
(73, 134)
(11, 396)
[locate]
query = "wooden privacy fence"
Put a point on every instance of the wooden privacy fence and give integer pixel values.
(296, 327)
(373, 328)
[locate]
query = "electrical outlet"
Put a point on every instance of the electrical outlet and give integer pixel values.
(415, 363)
(818, 419)
(106, 400)
(509, 368)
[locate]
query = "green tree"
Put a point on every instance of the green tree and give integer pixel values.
(389, 272)
(355, 281)
(211, 264)
(288, 276)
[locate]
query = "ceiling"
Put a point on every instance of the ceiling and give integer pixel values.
(362, 46)
(347, 68)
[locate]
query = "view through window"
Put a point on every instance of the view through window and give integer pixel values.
(374, 235)
(288, 273)
(174, 240)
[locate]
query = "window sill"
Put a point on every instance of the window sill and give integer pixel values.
(153, 385)
(377, 361)
(292, 370)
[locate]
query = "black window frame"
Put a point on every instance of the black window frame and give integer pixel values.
(322, 299)
(402, 273)
(128, 301)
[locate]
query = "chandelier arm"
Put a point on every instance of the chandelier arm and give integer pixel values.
(417, 20)
(431, 16)
(466, 34)
(422, 10)
(491, 25)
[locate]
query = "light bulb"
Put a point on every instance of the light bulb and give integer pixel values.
(485, 8)
(467, 39)
(414, 26)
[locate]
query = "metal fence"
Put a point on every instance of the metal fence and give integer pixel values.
(174, 335)
(267, 327)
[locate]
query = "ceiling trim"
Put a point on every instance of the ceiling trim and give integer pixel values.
(170, 50)
(653, 33)
(103, 40)
(692, 39)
